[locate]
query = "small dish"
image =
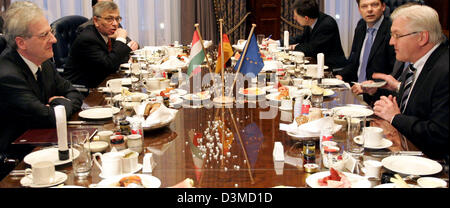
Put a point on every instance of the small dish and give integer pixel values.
(97, 146)
(431, 182)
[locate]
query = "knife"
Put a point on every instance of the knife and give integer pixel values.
(405, 153)
(85, 122)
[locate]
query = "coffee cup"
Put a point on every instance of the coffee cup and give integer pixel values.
(372, 168)
(104, 135)
(165, 83)
(152, 84)
(115, 85)
(286, 104)
(373, 136)
(129, 161)
(111, 163)
(43, 173)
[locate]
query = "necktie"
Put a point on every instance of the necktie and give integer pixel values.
(109, 45)
(367, 47)
(40, 82)
(409, 78)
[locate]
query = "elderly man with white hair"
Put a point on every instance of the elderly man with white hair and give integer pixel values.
(421, 109)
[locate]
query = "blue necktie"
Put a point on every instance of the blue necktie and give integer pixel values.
(367, 47)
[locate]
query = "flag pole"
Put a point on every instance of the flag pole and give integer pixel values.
(242, 57)
(222, 99)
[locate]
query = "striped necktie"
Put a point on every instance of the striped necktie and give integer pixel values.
(409, 79)
(109, 45)
(365, 60)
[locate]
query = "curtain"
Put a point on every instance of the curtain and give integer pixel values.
(287, 19)
(201, 12)
(148, 22)
(233, 12)
(347, 16)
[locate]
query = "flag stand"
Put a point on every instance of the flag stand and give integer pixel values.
(242, 57)
(223, 99)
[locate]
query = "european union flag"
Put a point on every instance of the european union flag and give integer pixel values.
(252, 138)
(253, 63)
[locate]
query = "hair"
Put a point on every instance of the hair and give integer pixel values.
(421, 18)
(103, 6)
(381, 1)
(308, 8)
(18, 18)
(94, 2)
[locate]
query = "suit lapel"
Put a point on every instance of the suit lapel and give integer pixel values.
(381, 33)
(426, 69)
(26, 71)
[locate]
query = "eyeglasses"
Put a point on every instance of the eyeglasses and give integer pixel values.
(397, 36)
(46, 35)
(111, 19)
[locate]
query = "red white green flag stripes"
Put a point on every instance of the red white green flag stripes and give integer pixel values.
(197, 55)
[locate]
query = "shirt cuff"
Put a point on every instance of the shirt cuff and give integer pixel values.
(123, 40)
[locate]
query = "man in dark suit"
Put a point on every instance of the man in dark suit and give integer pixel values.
(371, 51)
(320, 34)
(94, 55)
(30, 86)
(421, 109)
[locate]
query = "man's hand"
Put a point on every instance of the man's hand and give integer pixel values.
(386, 108)
(369, 90)
(339, 77)
(133, 45)
(392, 84)
(120, 33)
(357, 89)
(56, 97)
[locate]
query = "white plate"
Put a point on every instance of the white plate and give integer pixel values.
(392, 185)
(285, 109)
(356, 181)
(159, 125)
(353, 111)
(119, 97)
(98, 113)
(190, 97)
(50, 154)
(261, 91)
(127, 81)
(27, 181)
(332, 82)
(138, 168)
(431, 182)
(147, 180)
(374, 84)
(385, 143)
(412, 165)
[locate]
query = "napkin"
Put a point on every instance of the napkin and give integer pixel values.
(163, 114)
(61, 130)
(310, 129)
(172, 63)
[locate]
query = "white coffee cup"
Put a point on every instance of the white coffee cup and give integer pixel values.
(372, 168)
(43, 172)
(152, 84)
(298, 81)
(104, 135)
(165, 83)
(115, 85)
(373, 136)
(111, 163)
(130, 163)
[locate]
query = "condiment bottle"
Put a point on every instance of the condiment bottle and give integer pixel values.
(118, 142)
(125, 127)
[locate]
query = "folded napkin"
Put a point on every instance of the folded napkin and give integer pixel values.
(173, 63)
(310, 129)
(162, 115)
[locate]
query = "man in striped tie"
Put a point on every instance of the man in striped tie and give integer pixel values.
(421, 109)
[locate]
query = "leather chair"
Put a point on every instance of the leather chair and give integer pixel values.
(391, 5)
(65, 32)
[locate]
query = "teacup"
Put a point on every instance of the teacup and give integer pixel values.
(43, 172)
(373, 136)
(115, 85)
(372, 168)
(111, 163)
(165, 83)
(152, 84)
(130, 161)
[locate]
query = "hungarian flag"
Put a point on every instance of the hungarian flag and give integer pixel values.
(227, 50)
(197, 55)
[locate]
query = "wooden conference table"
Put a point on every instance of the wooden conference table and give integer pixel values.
(177, 156)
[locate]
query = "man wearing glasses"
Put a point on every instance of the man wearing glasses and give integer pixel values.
(94, 54)
(420, 109)
(30, 86)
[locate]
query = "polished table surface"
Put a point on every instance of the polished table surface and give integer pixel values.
(249, 163)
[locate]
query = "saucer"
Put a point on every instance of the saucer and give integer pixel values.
(285, 109)
(138, 168)
(27, 181)
(385, 143)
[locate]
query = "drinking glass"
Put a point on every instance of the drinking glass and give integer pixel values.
(260, 38)
(82, 164)
(355, 147)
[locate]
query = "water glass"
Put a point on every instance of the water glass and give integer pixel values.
(82, 164)
(355, 127)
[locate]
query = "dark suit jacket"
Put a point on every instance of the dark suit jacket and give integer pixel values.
(381, 57)
(89, 61)
(22, 103)
(324, 38)
(425, 121)
(91, 22)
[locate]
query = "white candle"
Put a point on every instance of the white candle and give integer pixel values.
(286, 39)
(320, 65)
(61, 127)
